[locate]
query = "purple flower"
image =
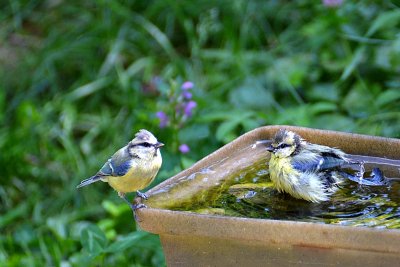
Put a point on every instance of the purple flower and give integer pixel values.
(163, 119)
(184, 148)
(188, 108)
(187, 85)
(187, 95)
(332, 3)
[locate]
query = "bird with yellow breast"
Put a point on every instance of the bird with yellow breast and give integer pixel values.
(308, 171)
(131, 168)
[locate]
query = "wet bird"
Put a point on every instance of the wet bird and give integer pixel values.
(131, 168)
(307, 171)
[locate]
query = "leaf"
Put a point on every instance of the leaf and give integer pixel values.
(358, 56)
(93, 240)
(334, 122)
(58, 225)
(298, 115)
(89, 88)
(251, 95)
(13, 214)
(126, 242)
(194, 133)
(225, 130)
(387, 97)
(251, 124)
(384, 20)
(187, 162)
(138, 66)
(76, 229)
(24, 234)
(225, 114)
(323, 91)
(156, 33)
(112, 208)
(215, 115)
(321, 107)
(115, 52)
(356, 101)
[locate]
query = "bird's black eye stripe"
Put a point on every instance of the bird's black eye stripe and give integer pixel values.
(145, 144)
(283, 145)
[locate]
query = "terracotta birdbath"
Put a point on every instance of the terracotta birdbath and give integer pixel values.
(192, 239)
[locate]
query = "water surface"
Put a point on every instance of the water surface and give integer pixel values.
(246, 191)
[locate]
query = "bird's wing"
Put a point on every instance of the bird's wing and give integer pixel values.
(326, 151)
(107, 169)
(375, 179)
(118, 165)
(315, 162)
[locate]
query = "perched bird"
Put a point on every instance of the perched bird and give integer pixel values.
(307, 171)
(132, 167)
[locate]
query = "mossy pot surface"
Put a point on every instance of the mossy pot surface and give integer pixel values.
(191, 239)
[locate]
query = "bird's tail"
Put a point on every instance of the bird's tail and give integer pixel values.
(89, 181)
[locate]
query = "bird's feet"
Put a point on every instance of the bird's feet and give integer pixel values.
(135, 207)
(142, 195)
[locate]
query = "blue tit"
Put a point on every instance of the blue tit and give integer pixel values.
(304, 170)
(132, 167)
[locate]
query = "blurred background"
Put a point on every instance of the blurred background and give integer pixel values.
(79, 78)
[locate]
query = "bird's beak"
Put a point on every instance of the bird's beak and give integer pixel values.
(158, 145)
(270, 148)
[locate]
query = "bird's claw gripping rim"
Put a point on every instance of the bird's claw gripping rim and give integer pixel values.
(138, 206)
(142, 195)
(135, 207)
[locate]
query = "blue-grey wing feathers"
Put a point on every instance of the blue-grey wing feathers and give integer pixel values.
(107, 169)
(110, 168)
(121, 169)
(331, 163)
(118, 165)
(318, 163)
(115, 168)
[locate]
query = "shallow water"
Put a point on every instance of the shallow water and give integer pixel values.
(248, 192)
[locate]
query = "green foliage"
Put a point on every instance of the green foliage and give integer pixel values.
(79, 79)
(93, 240)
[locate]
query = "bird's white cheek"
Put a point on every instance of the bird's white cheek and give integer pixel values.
(283, 153)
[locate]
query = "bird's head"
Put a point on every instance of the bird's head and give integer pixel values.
(285, 143)
(144, 145)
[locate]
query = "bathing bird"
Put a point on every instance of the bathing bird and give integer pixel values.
(308, 171)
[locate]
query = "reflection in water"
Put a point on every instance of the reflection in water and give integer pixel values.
(246, 191)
